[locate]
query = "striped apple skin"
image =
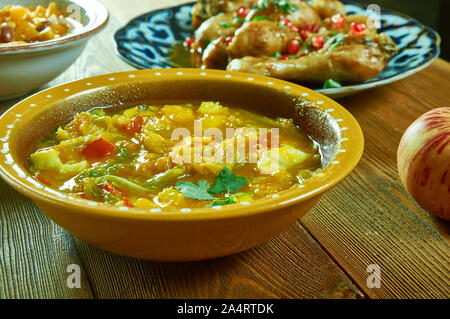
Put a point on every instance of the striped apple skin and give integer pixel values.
(423, 161)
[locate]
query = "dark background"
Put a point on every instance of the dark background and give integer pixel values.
(433, 13)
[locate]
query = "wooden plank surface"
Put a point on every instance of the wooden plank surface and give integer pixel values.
(367, 219)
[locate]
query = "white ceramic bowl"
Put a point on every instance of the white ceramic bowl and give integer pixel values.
(29, 66)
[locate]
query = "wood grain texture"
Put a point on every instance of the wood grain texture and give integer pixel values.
(367, 219)
(289, 266)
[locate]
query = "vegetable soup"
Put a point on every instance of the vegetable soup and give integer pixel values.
(175, 156)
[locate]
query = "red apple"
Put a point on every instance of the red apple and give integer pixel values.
(423, 160)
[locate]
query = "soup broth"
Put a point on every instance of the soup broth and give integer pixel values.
(174, 156)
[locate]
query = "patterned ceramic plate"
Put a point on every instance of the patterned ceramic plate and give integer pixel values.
(146, 42)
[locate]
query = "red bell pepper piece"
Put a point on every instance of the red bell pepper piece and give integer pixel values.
(110, 188)
(134, 126)
(127, 202)
(98, 149)
(42, 180)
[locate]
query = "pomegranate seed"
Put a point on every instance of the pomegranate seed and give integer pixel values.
(288, 23)
(304, 34)
(317, 42)
(283, 57)
(314, 28)
(242, 12)
(337, 20)
(358, 28)
(293, 46)
(188, 42)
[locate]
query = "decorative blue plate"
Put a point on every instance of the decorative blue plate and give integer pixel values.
(146, 42)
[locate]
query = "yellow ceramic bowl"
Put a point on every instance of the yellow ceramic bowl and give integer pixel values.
(185, 234)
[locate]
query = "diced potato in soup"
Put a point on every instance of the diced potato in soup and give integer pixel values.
(174, 156)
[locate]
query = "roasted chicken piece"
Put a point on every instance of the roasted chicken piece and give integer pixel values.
(205, 9)
(290, 39)
(221, 25)
(259, 39)
(215, 55)
(328, 8)
(351, 62)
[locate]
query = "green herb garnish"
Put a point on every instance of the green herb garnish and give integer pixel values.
(226, 183)
(286, 6)
(195, 191)
(206, 42)
(330, 83)
(222, 202)
(45, 141)
(260, 18)
(277, 55)
(225, 24)
(123, 155)
(334, 41)
(98, 112)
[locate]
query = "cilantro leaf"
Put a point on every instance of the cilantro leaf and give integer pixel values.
(286, 6)
(260, 18)
(334, 41)
(330, 83)
(222, 202)
(227, 182)
(225, 24)
(196, 191)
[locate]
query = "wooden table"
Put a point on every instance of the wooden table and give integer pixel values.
(367, 219)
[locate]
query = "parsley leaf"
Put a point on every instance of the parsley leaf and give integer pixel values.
(286, 6)
(334, 41)
(277, 55)
(225, 24)
(222, 202)
(196, 191)
(227, 182)
(330, 83)
(260, 18)
(124, 156)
